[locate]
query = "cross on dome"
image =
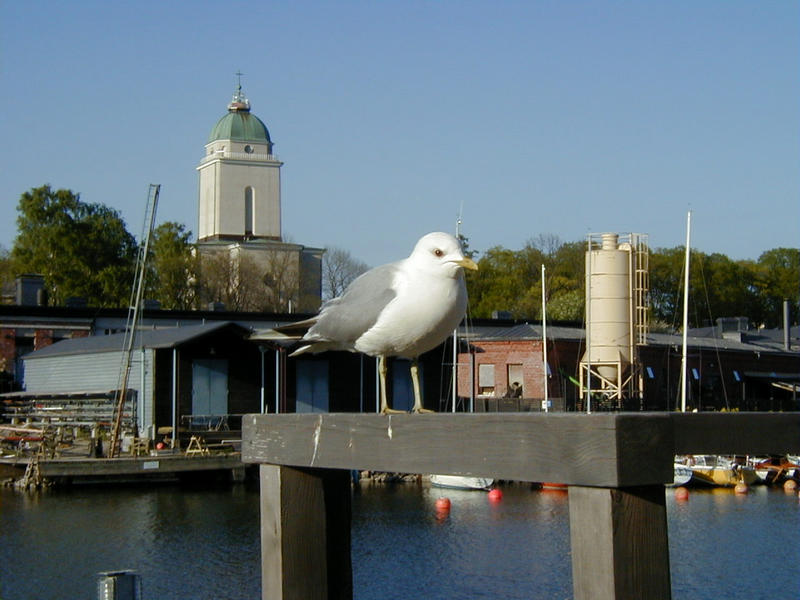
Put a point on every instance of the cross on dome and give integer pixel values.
(239, 101)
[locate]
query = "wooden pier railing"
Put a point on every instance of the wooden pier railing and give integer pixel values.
(616, 465)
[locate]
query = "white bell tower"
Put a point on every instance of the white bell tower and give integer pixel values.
(240, 179)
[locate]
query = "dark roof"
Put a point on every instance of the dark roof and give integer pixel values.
(168, 337)
(754, 340)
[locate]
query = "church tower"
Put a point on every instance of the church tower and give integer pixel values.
(247, 264)
(240, 179)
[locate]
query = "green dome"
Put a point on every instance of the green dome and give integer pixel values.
(241, 126)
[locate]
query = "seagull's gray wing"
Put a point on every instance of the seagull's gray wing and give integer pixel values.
(344, 319)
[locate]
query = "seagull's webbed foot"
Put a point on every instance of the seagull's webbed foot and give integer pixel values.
(420, 410)
(391, 411)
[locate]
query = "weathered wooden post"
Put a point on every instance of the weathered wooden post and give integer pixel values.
(616, 465)
(619, 542)
(305, 533)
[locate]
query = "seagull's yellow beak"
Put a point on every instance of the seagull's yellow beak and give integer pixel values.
(467, 263)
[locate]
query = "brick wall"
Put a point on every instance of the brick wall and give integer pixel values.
(500, 354)
(42, 338)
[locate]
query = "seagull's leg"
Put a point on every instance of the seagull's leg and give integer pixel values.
(382, 375)
(384, 402)
(415, 383)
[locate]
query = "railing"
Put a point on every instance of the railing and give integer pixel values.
(239, 156)
(616, 465)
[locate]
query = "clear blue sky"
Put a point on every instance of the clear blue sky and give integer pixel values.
(562, 118)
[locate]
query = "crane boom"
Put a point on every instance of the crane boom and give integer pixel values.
(134, 316)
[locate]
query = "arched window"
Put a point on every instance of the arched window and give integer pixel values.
(249, 212)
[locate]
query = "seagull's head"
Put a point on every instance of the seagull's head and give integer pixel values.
(441, 252)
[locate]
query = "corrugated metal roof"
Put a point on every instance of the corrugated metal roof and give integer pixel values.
(167, 337)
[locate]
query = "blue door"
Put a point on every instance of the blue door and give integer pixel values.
(312, 386)
(210, 388)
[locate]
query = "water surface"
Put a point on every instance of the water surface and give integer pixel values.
(190, 543)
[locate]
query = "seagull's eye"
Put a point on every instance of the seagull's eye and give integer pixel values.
(439, 253)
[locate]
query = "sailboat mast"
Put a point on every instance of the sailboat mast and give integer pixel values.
(684, 378)
(455, 331)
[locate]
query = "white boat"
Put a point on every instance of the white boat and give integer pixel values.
(683, 474)
(461, 482)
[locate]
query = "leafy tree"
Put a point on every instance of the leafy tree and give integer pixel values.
(511, 280)
(666, 283)
(497, 284)
(6, 277)
(81, 249)
(777, 278)
(339, 269)
(172, 270)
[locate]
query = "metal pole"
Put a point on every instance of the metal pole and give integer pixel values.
(174, 395)
(684, 378)
(589, 329)
(277, 380)
(544, 342)
(262, 350)
(141, 403)
(455, 368)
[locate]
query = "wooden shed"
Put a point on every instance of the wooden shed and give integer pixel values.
(204, 375)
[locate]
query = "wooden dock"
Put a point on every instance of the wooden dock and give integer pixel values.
(127, 468)
(616, 465)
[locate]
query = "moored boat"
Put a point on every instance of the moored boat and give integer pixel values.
(720, 471)
(776, 469)
(461, 482)
(683, 474)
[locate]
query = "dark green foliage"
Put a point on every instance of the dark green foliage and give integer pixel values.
(83, 250)
(172, 267)
(510, 280)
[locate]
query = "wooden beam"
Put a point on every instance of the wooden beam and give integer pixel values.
(619, 543)
(305, 534)
(736, 433)
(608, 450)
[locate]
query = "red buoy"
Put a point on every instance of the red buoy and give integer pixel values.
(790, 485)
(681, 494)
(741, 488)
(495, 495)
(443, 504)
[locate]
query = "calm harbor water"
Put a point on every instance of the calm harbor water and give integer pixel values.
(190, 543)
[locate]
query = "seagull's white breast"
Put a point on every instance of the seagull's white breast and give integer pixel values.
(429, 304)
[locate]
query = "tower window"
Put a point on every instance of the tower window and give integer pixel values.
(249, 212)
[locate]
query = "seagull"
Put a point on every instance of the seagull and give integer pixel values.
(401, 309)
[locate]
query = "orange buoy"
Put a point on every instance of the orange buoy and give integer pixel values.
(681, 494)
(495, 495)
(790, 485)
(741, 488)
(443, 504)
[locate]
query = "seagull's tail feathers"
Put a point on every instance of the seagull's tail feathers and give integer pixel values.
(298, 328)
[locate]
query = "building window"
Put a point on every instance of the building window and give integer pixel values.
(515, 382)
(249, 212)
(486, 380)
